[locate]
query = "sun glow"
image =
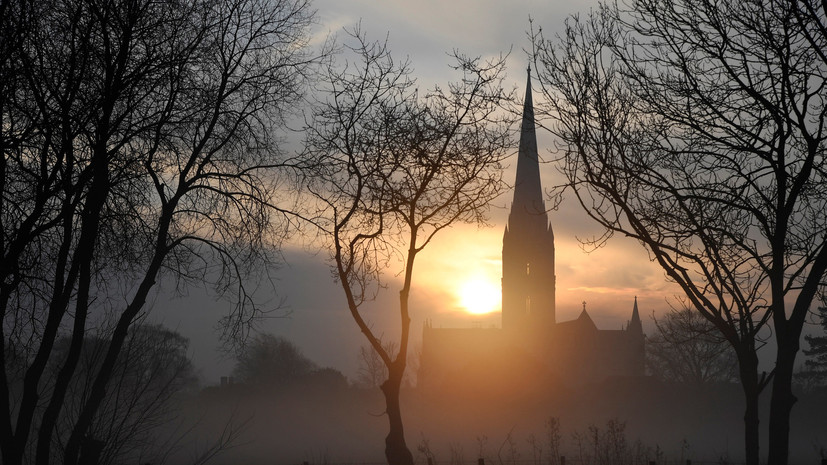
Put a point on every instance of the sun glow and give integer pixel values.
(479, 296)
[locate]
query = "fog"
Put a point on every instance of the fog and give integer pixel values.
(503, 421)
(499, 416)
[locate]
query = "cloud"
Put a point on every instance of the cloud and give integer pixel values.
(426, 30)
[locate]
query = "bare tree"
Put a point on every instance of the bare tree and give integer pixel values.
(686, 348)
(139, 140)
(698, 129)
(390, 168)
(372, 370)
(153, 371)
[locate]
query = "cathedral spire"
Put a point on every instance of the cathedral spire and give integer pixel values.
(635, 323)
(528, 242)
(528, 193)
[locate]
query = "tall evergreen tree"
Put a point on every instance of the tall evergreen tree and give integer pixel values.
(814, 374)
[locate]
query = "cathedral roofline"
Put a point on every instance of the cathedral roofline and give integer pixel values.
(584, 317)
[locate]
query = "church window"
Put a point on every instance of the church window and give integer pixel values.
(528, 268)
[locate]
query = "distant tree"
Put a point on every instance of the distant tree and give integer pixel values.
(699, 129)
(372, 370)
(326, 379)
(814, 374)
(153, 371)
(686, 348)
(390, 168)
(140, 141)
(271, 361)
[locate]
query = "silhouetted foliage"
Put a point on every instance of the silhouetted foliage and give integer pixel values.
(814, 373)
(139, 140)
(610, 446)
(326, 379)
(389, 168)
(271, 361)
(699, 129)
(686, 348)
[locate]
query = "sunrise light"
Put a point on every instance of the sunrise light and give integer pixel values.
(479, 295)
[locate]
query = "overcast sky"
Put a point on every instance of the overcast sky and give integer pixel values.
(425, 31)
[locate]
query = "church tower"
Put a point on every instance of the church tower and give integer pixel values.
(528, 279)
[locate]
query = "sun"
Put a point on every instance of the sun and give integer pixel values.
(479, 296)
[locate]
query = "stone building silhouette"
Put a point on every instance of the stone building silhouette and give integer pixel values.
(532, 347)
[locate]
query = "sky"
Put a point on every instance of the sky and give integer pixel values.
(314, 315)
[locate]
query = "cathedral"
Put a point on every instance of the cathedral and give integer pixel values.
(531, 343)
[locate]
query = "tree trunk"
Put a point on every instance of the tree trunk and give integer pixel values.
(98, 390)
(84, 256)
(396, 450)
(748, 367)
(781, 404)
(751, 437)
